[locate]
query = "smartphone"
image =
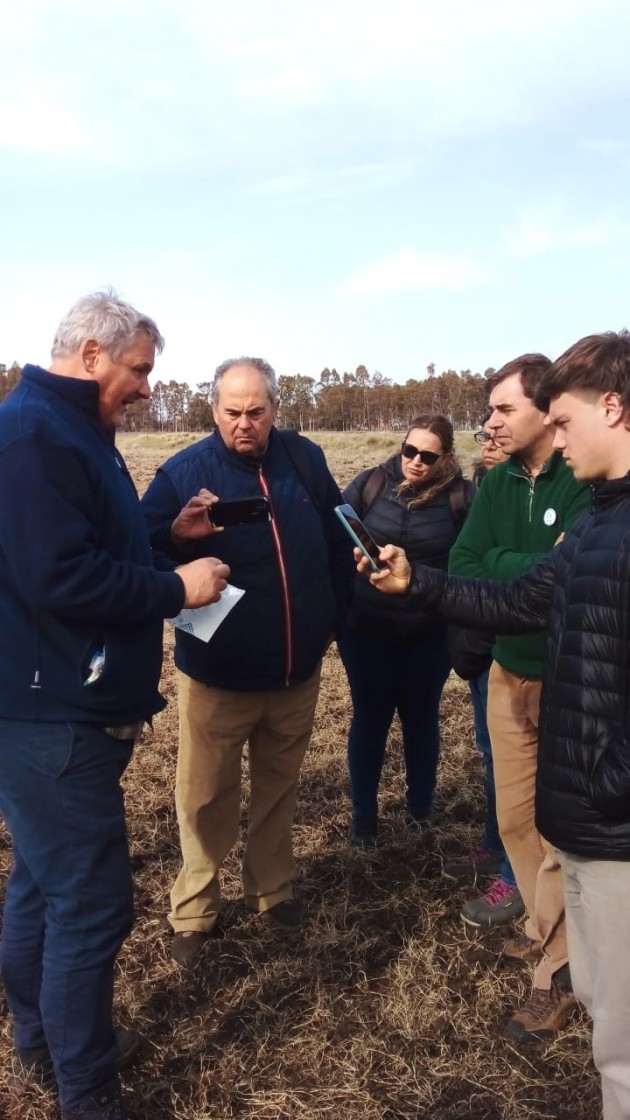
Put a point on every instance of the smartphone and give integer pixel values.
(243, 511)
(354, 526)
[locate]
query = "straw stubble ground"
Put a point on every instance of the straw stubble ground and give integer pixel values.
(385, 1007)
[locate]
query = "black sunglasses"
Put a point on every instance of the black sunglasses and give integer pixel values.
(426, 457)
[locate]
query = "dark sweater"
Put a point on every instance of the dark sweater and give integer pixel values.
(76, 569)
(296, 571)
(427, 534)
(514, 521)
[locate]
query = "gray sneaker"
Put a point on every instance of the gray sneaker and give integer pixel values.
(480, 861)
(502, 903)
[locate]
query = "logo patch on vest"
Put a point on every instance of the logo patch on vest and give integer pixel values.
(550, 516)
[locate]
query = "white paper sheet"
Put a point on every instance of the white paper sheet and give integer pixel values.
(203, 622)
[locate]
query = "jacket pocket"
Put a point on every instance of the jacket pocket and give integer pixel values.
(610, 779)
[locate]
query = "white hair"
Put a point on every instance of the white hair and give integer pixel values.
(106, 318)
(258, 364)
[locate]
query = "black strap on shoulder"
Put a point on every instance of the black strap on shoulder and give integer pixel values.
(294, 445)
(459, 497)
(373, 484)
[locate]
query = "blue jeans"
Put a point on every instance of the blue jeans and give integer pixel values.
(387, 677)
(491, 838)
(69, 898)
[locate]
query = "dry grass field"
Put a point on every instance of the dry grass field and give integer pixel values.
(385, 1007)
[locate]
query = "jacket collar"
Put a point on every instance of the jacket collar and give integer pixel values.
(77, 392)
(610, 490)
(549, 467)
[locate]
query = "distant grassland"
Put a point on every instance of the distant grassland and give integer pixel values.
(346, 452)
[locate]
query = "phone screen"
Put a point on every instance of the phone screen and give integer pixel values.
(242, 511)
(356, 529)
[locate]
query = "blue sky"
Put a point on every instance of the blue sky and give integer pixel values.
(320, 184)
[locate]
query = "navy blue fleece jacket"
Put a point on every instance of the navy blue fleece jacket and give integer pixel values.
(77, 574)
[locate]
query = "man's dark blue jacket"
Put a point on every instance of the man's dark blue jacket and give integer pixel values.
(296, 571)
(76, 570)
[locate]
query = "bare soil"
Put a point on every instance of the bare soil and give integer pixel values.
(386, 1006)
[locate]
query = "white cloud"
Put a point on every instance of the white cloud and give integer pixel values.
(332, 183)
(407, 269)
(36, 122)
(210, 80)
(549, 230)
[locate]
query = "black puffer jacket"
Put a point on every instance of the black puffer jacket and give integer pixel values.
(427, 534)
(581, 592)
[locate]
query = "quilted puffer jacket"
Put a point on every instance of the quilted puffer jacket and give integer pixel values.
(582, 592)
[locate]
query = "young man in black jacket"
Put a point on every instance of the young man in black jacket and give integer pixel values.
(581, 592)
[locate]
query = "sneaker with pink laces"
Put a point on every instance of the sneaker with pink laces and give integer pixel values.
(502, 903)
(480, 861)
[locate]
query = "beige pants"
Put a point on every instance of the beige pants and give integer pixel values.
(598, 928)
(513, 710)
(215, 724)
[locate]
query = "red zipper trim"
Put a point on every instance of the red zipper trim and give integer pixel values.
(288, 629)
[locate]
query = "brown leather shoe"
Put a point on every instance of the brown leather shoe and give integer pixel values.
(522, 948)
(188, 945)
(287, 916)
(545, 1013)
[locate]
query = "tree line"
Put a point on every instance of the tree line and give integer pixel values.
(336, 402)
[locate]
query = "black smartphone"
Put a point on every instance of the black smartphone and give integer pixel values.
(243, 511)
(354, 526)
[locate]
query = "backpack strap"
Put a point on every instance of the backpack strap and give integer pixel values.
(373, 484)
(459, 499)
(294, 445)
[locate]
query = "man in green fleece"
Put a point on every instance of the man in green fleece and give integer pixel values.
(523, 507)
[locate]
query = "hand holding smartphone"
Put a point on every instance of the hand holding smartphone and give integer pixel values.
(356, 530)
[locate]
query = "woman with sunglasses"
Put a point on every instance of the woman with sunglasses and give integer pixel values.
(397, 659)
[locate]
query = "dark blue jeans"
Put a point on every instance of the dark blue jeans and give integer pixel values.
(491, 838)
(69, 899)
(387, 677)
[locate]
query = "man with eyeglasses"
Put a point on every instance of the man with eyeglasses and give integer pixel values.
(523, 508)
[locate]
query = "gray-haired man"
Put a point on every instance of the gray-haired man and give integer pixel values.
(81, 612)
(257, 680)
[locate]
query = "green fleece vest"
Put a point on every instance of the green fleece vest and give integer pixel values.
(514, 520)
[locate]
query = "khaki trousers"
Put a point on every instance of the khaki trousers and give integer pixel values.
(214, 725)
(513, 711)
(598, 928)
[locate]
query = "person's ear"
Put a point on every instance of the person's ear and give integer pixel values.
(614, 409)
(89, 352)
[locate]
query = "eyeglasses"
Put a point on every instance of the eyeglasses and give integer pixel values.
(426, 457)
(485, 437)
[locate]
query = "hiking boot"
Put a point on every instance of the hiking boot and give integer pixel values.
(545, 1013)
(363, 832)
(522, 948)
(480, 861)
(106, 1104)
(419, 824)
(35, 1067)
(187, 946)
(128, 1043)
(502, 903)
(288, 915)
